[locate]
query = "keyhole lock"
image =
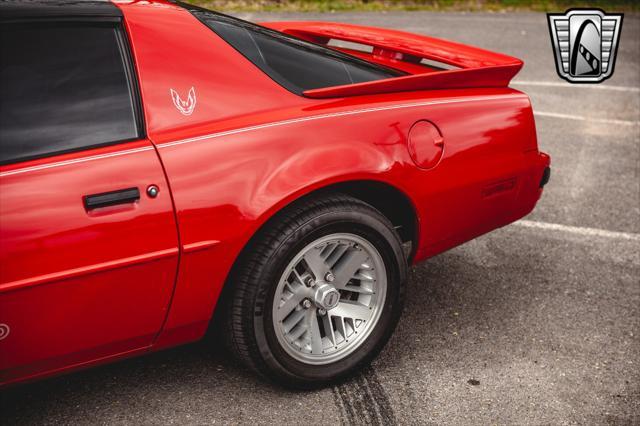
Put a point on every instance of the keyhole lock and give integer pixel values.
(152, 191)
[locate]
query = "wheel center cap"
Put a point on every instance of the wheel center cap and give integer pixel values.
(327, 297)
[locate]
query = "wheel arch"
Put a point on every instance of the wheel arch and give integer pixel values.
(390, 200)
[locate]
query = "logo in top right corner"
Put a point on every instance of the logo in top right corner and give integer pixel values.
(585, 43)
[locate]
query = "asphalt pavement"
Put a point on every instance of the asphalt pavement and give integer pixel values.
(535, 323)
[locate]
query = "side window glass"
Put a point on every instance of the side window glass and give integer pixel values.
(63, 87)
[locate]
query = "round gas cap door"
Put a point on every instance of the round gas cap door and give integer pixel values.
(426, 144)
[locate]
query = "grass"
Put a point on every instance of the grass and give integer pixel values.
(408, 5)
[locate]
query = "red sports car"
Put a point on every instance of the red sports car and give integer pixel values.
(163, 163)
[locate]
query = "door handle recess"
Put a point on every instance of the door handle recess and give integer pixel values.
(104, 199)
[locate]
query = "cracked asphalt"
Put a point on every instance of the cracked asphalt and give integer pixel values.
(526, 325)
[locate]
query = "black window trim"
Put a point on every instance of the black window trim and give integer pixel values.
(124, 46)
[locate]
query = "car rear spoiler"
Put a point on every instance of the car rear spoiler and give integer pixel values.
(475, 67)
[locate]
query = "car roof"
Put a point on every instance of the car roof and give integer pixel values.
(21, 9)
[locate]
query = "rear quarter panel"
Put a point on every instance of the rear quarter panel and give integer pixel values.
(227, 183)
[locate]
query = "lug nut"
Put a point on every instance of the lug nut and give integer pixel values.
(322, 312)
(306, 303)
(329, 277)
(309, 282)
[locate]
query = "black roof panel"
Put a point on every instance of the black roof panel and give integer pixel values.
(18, 9)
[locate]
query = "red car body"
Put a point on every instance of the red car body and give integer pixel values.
(79, 287)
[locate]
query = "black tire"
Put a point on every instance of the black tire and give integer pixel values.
(249, 330)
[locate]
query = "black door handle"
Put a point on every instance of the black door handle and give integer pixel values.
(104, 199)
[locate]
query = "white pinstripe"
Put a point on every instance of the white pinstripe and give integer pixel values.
(253, 128)
(331, 115)
(74, 161)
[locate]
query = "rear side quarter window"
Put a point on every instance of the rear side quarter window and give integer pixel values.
(293, 63)
(64, 86)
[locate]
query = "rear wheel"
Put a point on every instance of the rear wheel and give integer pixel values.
(318, 293)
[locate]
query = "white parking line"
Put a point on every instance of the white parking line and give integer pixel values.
(583, 118)
(576, 86)
(588, 232)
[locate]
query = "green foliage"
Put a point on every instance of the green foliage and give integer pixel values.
(433, 5)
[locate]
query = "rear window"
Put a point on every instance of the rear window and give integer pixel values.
(293, 63)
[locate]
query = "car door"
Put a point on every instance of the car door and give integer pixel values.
(88, 239)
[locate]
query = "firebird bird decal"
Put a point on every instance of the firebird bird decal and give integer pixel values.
(185, 107)
(4, 331)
